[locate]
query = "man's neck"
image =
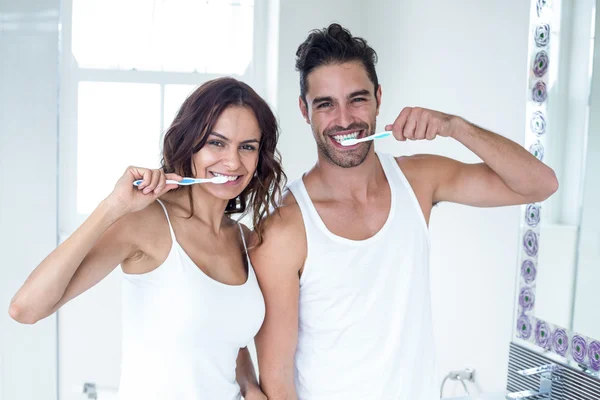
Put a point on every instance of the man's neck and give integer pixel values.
(328, 180)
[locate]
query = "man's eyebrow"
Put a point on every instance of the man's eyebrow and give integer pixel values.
(363, 92)
(328, 99)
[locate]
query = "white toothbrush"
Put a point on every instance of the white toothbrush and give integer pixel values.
(190, 181)
(352, 142)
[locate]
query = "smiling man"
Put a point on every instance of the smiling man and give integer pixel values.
(344, 267)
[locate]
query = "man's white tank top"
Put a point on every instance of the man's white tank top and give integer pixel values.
(182, 330)
(365, 329)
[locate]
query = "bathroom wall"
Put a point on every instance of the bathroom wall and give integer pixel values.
(28, 213)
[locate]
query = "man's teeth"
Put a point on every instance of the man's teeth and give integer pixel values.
(229, 177)
(341, 138)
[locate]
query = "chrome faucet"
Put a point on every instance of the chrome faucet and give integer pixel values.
(547, 377)
(91, 390)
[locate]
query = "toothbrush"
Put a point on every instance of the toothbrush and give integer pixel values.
(190, 181)
(352, 142)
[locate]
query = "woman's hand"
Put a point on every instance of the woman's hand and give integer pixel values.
(129, 198)
(254, 393)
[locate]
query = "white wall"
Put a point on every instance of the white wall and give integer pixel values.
(89, 339)
(462, 57)
(28, 131)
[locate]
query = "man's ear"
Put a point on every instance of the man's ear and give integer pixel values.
(378, 97)
(303, 109)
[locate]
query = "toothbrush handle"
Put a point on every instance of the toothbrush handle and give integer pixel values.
(169, 182)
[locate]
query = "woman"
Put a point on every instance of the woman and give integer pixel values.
(191, 302)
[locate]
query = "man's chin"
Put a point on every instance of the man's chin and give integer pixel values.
(346, 159)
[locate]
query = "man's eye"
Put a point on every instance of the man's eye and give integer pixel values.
(324, 105)
(359, 99)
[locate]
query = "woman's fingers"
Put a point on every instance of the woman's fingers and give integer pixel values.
(162, 183)
(144, 174)
(174, 177)
(154, 180)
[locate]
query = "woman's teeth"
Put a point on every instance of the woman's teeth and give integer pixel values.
(230, 178)
(341, 138)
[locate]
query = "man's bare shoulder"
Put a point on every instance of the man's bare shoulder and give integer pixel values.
(287, 217)
(425, 163)
(284, 237)
(421, 163)
(425, 168)
(424, 172)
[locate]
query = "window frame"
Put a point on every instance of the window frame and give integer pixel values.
(71, 75)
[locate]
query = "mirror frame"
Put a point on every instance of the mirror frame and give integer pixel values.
(559, 343)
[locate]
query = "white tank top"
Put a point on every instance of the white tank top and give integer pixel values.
(365, 329)
(182, 330)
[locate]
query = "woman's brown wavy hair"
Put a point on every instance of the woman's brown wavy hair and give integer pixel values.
(189, 132)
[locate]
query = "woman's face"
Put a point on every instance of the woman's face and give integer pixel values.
(231, 150)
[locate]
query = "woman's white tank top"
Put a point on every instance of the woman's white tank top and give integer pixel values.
(182, 330)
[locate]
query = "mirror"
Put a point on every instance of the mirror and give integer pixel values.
(587, 278)
(560, 237)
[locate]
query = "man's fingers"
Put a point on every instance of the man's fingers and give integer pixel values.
(400, 124)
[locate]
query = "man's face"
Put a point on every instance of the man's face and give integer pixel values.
(340, 104)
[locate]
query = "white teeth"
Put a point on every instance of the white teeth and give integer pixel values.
(341, 138)
(229, 177)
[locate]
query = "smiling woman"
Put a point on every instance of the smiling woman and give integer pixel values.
(185, 262)
(223, 115)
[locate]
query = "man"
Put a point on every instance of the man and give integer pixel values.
(344, 265)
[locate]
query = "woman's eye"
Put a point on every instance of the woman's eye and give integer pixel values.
(215, 143)
(248, 147)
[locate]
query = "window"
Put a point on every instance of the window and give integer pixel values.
(208, 36)
(118, 125)
(127, 66)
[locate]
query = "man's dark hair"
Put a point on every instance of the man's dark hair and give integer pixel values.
(333, 45)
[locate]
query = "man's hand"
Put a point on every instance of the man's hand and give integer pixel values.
(416, 123)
